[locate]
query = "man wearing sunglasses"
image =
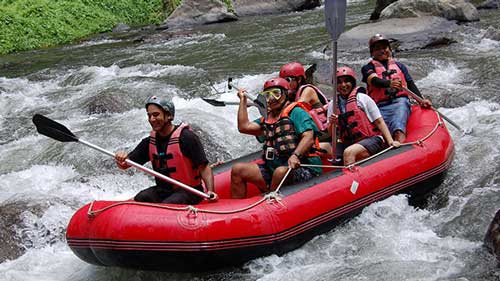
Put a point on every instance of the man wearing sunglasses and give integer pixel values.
(315, 101)
(289, 139)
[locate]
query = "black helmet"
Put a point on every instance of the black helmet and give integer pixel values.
(166, 105)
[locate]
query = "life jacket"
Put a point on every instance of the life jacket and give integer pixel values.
(280, 134)
(353, 123)
(393, 71)
(318, 114)
(171, 162)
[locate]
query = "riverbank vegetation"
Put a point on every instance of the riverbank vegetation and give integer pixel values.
(32, 24)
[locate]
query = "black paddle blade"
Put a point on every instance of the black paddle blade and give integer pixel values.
(214, 102)
(52, 129)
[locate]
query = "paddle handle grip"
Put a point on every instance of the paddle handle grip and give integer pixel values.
(149, 171)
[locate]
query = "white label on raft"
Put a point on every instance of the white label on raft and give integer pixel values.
(354, 187)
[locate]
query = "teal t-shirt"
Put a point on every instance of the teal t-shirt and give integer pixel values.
(301, 122)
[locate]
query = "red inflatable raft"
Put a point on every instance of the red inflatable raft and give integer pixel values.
(232, 231)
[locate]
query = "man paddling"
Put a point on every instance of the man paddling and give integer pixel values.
(174, 151)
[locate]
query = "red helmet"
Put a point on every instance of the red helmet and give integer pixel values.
(276, 82)
(378, 38)
(293, 69)
(346, 71)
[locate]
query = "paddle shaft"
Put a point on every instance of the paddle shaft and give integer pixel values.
(148, 171)
(260, 104)
(335, 11)
(215, 102)
(334, 98)
(420, 100)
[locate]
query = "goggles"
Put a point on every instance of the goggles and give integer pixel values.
(273, 92)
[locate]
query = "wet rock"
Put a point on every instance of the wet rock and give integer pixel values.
(11, 214)
(197, 12)
(158, 37)
(379, 7)
(450, 9)
(106, 103)
(406, 34)
(489, 4)
(492, 33)
(121, 27)
(492, 238)
(214, 151)
(439, 42)
(259, 7)
(447, 98)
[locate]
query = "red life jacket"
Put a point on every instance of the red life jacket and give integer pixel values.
(171, 162)
(318, 114)
(280, 134)
(354, 123)
(385, 94)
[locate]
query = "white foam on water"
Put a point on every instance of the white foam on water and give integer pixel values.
(53, 262)
(445, 75)
(36, 232)
(192, 39)
(101, 73)
(389, 238)
(92, 43)
(479, 45)
(34, 182)
(119, 185)
(18, 94)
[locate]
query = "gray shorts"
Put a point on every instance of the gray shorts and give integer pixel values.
(373, 144)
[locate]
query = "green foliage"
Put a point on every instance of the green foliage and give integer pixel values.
(229, 5)
(171, 6)
(30, 24)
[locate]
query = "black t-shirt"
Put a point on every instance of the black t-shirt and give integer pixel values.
(189, 143)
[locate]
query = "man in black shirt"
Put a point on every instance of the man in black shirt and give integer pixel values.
(174, 151)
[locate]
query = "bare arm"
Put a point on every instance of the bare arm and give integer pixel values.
(244, 125)
(309, 96)
(208, 178)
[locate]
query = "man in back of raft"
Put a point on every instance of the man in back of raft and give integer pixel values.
(174, 151)
(290, 138)
(386, 80)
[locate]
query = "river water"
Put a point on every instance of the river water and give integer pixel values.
(43, 182)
